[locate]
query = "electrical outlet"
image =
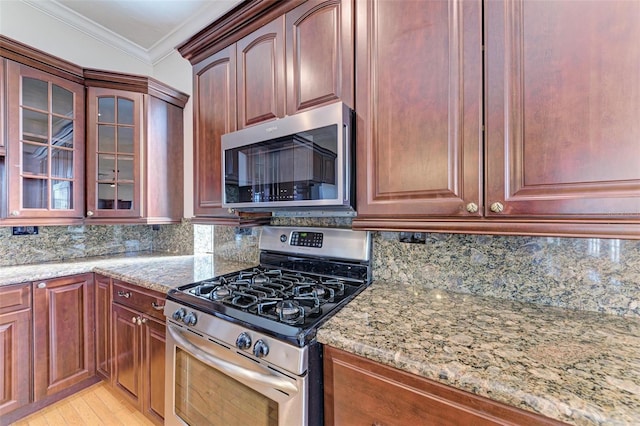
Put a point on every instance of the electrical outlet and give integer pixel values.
(24, 230)
(413, 237)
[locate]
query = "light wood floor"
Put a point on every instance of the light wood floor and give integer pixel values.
(97, 405)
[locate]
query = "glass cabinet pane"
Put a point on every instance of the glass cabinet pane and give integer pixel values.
(106, 138)
(61, 101)
(125, 196)
(35, 93)
(62, 132)
(125, 140)
(62, 163)
(35, 126)
(125, 111)
(106, 195)
(62, 194)
(106, 167)
(35, 159)
(34, 193)
(125, 168)
(107, 110)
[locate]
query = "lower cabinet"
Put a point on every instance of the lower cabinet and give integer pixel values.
(63, 332)
(358, 391)
(15, 346)
(138, 347)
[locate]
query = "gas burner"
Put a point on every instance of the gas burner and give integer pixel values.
(286, 311)
(222, 291)
(315, 290)
(241, 300)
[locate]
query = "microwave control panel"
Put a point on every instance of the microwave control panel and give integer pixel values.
(306, 239)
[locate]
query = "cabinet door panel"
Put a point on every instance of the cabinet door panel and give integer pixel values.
(64, 351)
(154, 355)
(261, 76)
(319, 54)
(15, 365)
(103, 326)
(126, 349)
(563, 93)
(214, 82)
(114, 138)
(45, 144)
(419, 134)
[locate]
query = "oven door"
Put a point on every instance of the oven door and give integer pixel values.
(209, 383)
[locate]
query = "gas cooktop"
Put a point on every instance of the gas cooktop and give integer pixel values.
(304, 276)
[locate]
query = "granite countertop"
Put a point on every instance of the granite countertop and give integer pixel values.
(578, 367)
(156, 271)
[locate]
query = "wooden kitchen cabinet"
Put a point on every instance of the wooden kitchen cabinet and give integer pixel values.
(45, 147)
(319, 42)
(15, 346)
(419, 123)
(63, 330)
(363, 392)
(3, 118)
(261, 75)
(103, 326)
(138, 333)
(134, 149)
(560, 152)
(563, 101)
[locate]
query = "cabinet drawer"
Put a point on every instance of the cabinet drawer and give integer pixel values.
(146, 301)
(15, 297)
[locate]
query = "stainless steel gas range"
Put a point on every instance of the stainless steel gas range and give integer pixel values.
(241, 347)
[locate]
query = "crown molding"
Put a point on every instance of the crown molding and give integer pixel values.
(89, 27)
(159, 51)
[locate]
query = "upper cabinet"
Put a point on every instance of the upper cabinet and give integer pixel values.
(134, 149)
(45, 147)
(288, 57)
(563, 109)
(319, 54)
(261, 77)
(559, 154)
(419, 123)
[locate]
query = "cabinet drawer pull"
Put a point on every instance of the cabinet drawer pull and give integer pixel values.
(42, 285)
(157, 306)
(125, 294)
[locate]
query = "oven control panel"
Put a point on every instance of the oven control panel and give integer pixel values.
(306, 239)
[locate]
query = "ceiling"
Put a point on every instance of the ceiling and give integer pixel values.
(147, 29)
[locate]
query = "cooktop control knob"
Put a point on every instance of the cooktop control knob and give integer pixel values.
(243, 341)
(179, 314)
(283, 238)
(190, 319)
(260, 349)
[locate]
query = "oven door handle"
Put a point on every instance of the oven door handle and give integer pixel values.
(232, 370)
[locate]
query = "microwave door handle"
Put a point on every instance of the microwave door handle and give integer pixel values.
(346, 188)
(231, 369)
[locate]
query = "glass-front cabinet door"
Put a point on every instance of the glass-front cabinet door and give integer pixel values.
(46, 145)
(113, 146)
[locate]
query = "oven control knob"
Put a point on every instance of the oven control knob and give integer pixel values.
(190, 319)
(243, 341)
(260, 349)
(179, 314)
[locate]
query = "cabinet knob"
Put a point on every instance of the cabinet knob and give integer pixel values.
(134, 320)
(42, 285)
(472, 207)
(15, 213)
(142, 321)
(497, 207)
(90, 213)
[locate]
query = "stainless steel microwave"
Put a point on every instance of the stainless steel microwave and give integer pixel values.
(298, 163)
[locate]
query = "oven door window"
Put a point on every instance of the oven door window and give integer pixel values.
(204, 395)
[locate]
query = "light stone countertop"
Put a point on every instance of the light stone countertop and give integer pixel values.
(156, 271)
(578, 367)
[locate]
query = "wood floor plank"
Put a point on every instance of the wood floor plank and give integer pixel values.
(98, 405)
